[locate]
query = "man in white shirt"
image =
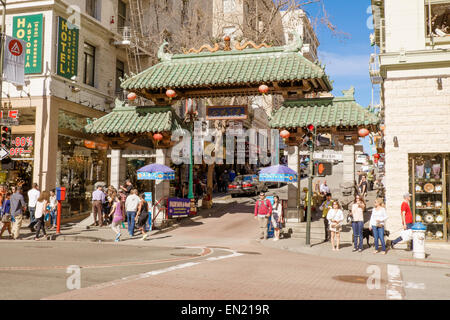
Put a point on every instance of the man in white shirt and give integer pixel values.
(33, 195)
(324, 189)
(131, 205)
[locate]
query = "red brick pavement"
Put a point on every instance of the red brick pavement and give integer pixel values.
(270, 274)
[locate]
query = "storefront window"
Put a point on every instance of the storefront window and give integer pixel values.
(80, 164)
(429, 187)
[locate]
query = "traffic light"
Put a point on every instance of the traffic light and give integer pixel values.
(323, 168)
(309, 137)
(6, 137)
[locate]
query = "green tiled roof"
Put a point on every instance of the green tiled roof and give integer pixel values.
(323, 112)
(227, 68)
(135, 120)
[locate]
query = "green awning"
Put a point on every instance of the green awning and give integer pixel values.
(126, 119)
(323, 112)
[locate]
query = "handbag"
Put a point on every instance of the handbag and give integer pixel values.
(6, 218)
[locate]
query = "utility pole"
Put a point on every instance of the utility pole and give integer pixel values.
(312, 130)
(2, 50)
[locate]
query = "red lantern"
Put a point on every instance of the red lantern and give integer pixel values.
(376, 156)
(363, 132)
(171, 93)
(89, 144)
(132, 96)
(157, 136)
(310, 128)
(263, 89)
(284, 134)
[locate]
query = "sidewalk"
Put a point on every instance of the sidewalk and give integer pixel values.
(438, 254)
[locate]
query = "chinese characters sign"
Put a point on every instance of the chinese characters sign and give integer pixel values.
(67, 56)
(30, 30)
(226, 113)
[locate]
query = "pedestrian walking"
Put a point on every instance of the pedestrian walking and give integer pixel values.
(127, 187)
(142, 216)
(41, 205)
(370, 180)
(263, 211)
(277, 217)
(116, 210)
(363, 187)
(131, 206)
(53, 206)
(335, 218)
(98, 198)
(6, 215)
(357, 214)
(33, 195)
(377, 222)
(325, 207)
(407, 218)
(18, 206)
(324, 188)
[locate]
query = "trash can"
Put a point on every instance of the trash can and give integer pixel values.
(419, 240)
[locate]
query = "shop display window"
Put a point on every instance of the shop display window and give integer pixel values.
(429, 187)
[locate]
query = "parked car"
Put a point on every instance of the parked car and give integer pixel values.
(246, 184)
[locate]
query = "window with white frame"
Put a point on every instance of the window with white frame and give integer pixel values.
(438, 19)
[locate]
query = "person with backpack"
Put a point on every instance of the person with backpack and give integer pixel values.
(263, 211)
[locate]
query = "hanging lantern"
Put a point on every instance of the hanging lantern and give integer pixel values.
(263, 89)
(376, 156)
(285, 134)
(171, 93)
(363, 132)
(89, 144)
(131, 96)
(158, 137)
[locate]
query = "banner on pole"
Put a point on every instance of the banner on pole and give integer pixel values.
(30, 29)
(14, 63)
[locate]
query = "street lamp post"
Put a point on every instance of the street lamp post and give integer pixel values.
(310, 179)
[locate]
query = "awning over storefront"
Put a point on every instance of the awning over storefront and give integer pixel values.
(125, 119)
(231, 72)
(323, 112)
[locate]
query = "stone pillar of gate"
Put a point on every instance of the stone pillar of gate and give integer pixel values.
(292, 211)
(349, 164)
(118, 168)
(162, 187)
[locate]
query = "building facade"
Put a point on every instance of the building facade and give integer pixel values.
(413, 37)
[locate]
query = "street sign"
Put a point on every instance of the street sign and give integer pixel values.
(3, 153)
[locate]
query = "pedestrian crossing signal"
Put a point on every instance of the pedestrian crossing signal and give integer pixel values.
(323, 169)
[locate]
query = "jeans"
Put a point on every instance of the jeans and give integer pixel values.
(130, 219)
(378, 233)
(327, 229)
(408, 226)
(53, 217)
(40, 226)
(357, 227)
(32, 219)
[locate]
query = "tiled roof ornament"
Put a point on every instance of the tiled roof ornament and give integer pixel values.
(350, 93)
(203, 47)
(164, 56)
(120, 104)
(250, 43)
(296, 45)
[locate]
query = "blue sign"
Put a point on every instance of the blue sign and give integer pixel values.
(179, 207)
(278, 177)
(148, 198)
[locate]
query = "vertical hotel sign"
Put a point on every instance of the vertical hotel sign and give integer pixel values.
(67, 57)
(30, 29)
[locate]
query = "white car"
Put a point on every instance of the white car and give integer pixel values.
(361, 159)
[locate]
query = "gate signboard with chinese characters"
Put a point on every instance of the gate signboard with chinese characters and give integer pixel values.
(30, 29)
(67, 56)
(226, 112)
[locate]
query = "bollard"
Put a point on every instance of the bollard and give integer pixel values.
(419, 240)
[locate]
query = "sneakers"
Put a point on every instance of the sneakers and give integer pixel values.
(354, 250)
(117, 237)
(144, 237)
(360, 250)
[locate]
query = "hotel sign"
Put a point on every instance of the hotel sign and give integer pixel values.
(226, 113)
(30, 29)
(67, 56)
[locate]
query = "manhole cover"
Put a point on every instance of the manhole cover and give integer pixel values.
(248, 252)
(185, 254)
(352, 279)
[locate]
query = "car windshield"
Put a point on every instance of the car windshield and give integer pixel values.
(243, 178)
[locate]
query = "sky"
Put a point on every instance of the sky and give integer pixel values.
(346, 56)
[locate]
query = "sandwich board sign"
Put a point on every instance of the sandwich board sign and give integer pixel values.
(14, 63)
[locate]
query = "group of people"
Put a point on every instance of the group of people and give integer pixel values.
(113, 207)
(265, 212)
(41, 207)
